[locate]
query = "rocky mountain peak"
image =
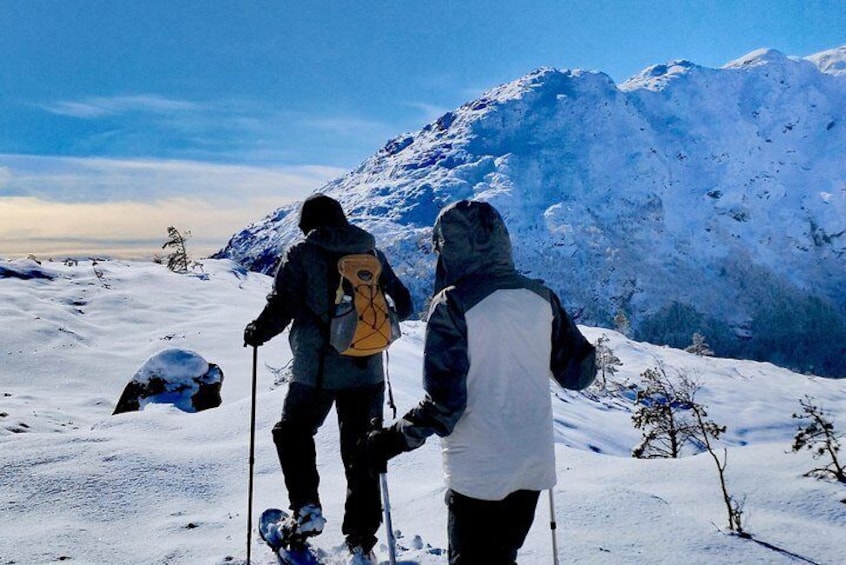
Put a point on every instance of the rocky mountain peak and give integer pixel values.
(688, 199)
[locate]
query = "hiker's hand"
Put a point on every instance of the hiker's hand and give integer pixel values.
(383, 444)
(252, 337)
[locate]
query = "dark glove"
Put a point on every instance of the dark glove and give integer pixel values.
(384, 444)
(252, 337)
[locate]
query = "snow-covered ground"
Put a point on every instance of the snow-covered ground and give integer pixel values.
(163, 486)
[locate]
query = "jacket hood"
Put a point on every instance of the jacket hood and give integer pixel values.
(324, 224)
(320, 210)
(471, 238)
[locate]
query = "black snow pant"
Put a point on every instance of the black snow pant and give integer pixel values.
(488, 531)
(304, 411)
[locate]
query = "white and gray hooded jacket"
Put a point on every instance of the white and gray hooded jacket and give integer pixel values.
(494, 338)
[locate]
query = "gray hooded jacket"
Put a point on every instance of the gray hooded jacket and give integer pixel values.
(494, 338)
(303, 296)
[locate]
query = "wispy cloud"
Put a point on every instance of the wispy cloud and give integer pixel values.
(99, 107)
(429, 112)
(73, 179)
(5, 177)
(224, 130)
(348, 125)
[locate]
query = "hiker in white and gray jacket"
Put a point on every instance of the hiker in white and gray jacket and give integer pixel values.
(493, 340)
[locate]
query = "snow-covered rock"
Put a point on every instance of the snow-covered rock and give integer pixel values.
(24, 269)
(690, 199)
(174, 376)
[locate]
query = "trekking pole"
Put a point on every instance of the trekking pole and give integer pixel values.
(553, 526)
(252, 455)
(389, 529)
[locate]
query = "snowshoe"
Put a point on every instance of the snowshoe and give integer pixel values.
(280, 531)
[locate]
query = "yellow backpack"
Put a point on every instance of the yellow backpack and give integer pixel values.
(363, 322)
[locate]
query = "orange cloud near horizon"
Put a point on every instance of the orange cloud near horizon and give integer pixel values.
(130, 230)
(78, 207)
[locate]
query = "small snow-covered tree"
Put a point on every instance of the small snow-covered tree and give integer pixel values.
(178, 260)
(818, 434)
(606, 361)
(699, 347)
(670, 417)
(663, 414)
(622, 323)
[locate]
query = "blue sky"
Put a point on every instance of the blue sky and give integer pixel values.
(116, 106)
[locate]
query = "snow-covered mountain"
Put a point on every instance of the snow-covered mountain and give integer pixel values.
(687, 198)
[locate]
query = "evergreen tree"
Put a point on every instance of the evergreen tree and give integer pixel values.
(177, 260)
(669, 416)
(606, 361)
(818, 435)
(662, 405)
(699, 347)
(622, 323)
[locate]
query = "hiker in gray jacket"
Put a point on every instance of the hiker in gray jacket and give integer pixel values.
(493, 340)
(303, 295)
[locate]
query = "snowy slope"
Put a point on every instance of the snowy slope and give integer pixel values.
(162, 486)
(687, 198)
